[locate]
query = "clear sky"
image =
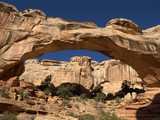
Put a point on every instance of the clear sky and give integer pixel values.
(145, 13)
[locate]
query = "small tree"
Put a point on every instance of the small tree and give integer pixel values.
(20, 92)
(86, 117)
(47, 90)
(2, 90)
(100, 97)
(63, 92)
(83, 96)
(5, 95)
(110, 116)
(8, 116)
(118, 100)
(42, 107)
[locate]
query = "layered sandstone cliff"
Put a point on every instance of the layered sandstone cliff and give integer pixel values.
(30, 34)
(81, 70)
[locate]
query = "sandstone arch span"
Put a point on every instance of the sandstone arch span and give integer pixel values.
(31, 33)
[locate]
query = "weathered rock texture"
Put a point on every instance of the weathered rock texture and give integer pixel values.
(144, 107)
(81, 70)
(30, 34)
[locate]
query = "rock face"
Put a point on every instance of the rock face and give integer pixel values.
(81, 70)
(30, 34)
(144, 107)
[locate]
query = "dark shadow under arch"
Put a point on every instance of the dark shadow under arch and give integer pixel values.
(150, 112)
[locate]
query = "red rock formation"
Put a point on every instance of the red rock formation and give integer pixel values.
(30, 34)
(81, 70)
(144, 107)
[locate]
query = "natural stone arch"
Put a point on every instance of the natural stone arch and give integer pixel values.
(31, 33)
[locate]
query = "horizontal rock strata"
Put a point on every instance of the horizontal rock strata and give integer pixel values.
(30, 34)
(81, 70)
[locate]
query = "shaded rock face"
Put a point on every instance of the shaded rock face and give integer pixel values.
(30, 34)
(81, 70)
(144, 107)
(111, 74)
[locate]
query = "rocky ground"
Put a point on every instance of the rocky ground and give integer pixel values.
(50, 90)
(144, 107)
(25, 99)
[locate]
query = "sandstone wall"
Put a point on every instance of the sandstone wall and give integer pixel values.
(81, 70)
(30, 33)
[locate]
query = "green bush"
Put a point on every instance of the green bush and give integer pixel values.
(2, 90)
(86, 117)
(83, 96)
(77, 106)
(100, 97)
(100, 110)
(47, 90)
(20, 92)
(25, 96)
(67, 90)
(110, 116)
(66, 103)
(5, 95)
(69, 113)
(118, 100)
(42, 107)
(63, 92)
(8, 116)
(32, 118)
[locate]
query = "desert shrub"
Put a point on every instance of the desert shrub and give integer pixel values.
(20, 92)
(86, 117)
(110, 116)
(2, 90)
(47, 90)
(69, 113)
(120, 94)
(110, 96)
(100, 97)
(41, 107)
(77, 106)
(66, 90)
(78, 99)
(84, 103)
(118, 100)
(25, 96)
(63, 92)
(66, 103)
(83, 96)
(5, 95)
(100, 110)
(32, 118)
(8, 116)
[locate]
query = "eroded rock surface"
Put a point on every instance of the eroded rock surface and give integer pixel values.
(30, 34)
(144, 107)
(81, 70)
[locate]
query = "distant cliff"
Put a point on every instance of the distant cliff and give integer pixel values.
(108, 74)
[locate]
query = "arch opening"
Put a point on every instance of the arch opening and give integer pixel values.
(75, 67)
(65, 55)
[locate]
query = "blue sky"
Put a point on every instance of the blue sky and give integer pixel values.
(145, 13)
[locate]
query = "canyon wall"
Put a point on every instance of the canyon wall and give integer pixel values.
(30, 33)
(109, 74)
